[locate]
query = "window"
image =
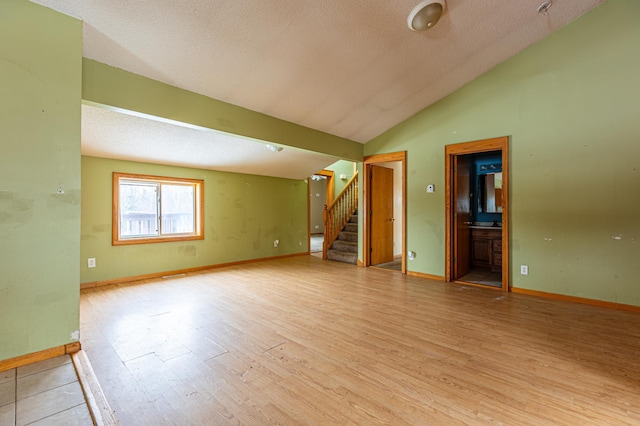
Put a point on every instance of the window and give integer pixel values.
(151, 209)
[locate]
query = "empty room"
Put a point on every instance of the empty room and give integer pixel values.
(298, 212)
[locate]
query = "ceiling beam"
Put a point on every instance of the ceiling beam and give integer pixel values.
(112, 88)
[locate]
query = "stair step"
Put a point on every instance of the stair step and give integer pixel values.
(351, 227)
(348, 246)
(353, 219)
(342, 256)
(348, 236)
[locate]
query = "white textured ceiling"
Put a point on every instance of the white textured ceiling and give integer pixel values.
(351, 68)
(145, 140)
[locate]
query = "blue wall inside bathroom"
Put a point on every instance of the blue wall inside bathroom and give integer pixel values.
(492, 162)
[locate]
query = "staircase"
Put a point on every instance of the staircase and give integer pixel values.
(345, 247)
(341, 225)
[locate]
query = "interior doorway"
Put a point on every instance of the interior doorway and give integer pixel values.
(321, 190)
(384, 205)
(477, 211)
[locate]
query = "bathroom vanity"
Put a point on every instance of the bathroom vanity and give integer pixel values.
(486, 247)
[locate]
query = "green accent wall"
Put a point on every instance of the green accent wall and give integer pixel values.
(112, 88)
(243, 216)
(341, 167)
(40, 91)
(570, 104)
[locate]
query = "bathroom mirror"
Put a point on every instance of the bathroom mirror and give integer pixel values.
(491, 193)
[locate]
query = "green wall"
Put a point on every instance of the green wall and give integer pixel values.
(570, 104)
(341, 167)
(40, 89)
(244, 214)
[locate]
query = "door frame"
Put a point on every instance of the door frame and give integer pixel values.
(330, 174)
(464, 148)
(331, 187)
(401, 157)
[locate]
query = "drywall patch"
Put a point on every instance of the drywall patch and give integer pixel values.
(188, 250)
(71, 197)
(14, 208)
(75, 336)
(4, 290)
(59, 205)
(257, 243)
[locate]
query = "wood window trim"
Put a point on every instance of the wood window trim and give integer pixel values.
(115, 212)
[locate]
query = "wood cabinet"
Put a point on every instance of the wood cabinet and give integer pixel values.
(486, 248)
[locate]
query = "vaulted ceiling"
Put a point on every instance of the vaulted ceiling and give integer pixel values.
(351, 68)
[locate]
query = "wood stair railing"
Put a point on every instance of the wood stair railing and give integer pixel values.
(337, 214)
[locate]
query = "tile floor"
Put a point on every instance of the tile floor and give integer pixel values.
(394, 265)
(316, 243)
(478, 276)
(44, 393)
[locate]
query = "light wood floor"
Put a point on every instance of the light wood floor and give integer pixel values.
(306, 341)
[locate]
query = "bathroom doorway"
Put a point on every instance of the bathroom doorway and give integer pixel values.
(477, 211)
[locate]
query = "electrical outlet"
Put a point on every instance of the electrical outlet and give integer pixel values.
(276, 243)
(431, 188)
(91, 262)
(524, 270)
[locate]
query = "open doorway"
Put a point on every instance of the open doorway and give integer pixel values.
(320, 193)
(477, 210)
(385, 211)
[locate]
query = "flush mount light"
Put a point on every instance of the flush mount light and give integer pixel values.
(425, 15)
(274, 148)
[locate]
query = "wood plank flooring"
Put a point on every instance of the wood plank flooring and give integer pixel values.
(306, 341)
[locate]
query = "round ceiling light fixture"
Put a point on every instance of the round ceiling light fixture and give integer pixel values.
(274, 148)
(426, 15)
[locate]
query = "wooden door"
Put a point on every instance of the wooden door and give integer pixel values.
(381, 214)
(453, 232)
(462, 215)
